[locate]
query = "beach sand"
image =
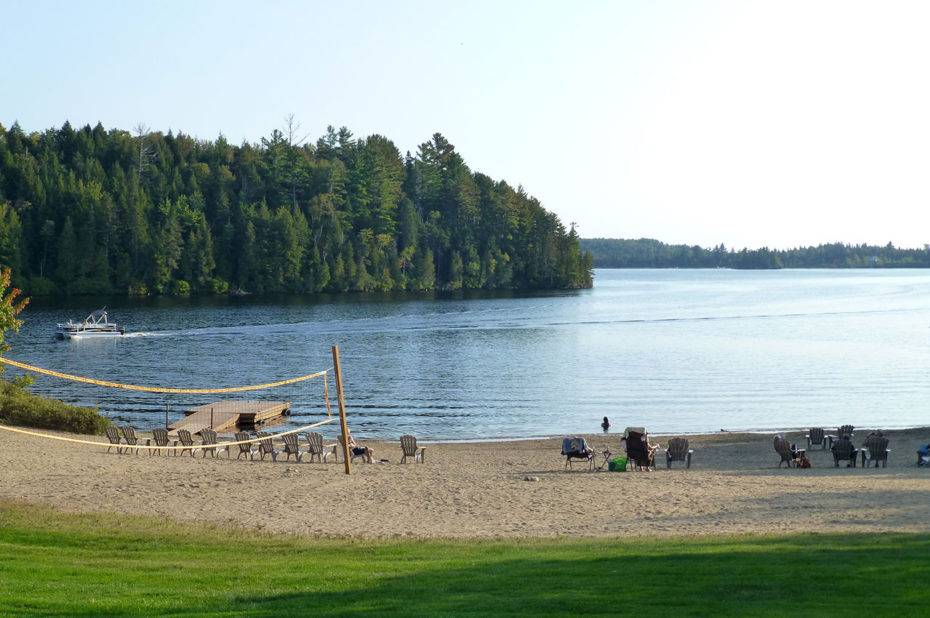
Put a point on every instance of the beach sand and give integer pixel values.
(485, 490)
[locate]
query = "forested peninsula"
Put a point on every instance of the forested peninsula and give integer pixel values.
(650, 253)
(98, 211)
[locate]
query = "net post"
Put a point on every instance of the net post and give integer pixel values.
(342, 410)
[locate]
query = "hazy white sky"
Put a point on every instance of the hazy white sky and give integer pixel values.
(775, 123)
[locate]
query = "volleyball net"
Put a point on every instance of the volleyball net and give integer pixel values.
(142, 408)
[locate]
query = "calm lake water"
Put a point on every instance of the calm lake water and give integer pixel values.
(677, 351)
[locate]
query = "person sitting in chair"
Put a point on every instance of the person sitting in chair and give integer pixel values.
(367, 451)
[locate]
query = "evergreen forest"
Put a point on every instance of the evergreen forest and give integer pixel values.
(650, 253)
(98, 211)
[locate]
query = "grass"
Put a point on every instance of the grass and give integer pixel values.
(53, 563)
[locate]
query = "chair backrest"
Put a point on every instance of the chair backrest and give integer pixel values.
(244, 447)
(184, 437)
(208, 436)
(408, 444)
(877, 446)
(290, 442)
(816, 435)
(315, 442)
(265, 445)
(635, 443)
(160, 436)
(843, 448)
(846, 431)
(129, 433)
(112, 434)
(677, 448)
(783, 447)
(574, 444)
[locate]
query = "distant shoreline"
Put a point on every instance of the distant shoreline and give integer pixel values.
(651, 253)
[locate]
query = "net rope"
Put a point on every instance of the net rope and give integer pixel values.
(125, 446)
(159, 389)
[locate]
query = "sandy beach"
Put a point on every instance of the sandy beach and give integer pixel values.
(485, 490)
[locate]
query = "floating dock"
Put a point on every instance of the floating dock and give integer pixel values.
(226, 416)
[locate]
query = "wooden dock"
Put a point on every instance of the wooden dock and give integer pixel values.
(226, 416)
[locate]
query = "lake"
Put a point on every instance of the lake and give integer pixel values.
(676, 351)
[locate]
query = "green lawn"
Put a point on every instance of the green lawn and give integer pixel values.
(57, 564)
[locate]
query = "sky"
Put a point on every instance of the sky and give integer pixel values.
(782, 124)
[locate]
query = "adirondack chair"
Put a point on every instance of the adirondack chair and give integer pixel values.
(408, 444)
(783, 448)
(317, 449)
(844, 449)
(266, 446)
(114, 438)
(291, 447)
(245, 448)
(129, 434)
(817, 436)
(210, 444)
(678, 451)
(846, 431)
(159, 439)
(187, 441)
(355, 451)
(875, 449)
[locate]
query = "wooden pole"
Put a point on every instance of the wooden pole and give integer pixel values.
(342, 410)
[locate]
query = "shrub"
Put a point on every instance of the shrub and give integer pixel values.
(179, 287)
(19, 407)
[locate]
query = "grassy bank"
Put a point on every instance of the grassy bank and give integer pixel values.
(54, 563)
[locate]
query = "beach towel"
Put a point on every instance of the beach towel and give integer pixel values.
(573, 445)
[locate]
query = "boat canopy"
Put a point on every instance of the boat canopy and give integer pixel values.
(97, 317)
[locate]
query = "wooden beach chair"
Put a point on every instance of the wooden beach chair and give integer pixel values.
(186, 440)
(408, 445)
(678, 451)
(577, 448)
(816, 436)
(210, 444)
(245, 448)
(114, 438)
(316, 448)
(266, 446)
(129, 434)
(844, 449)
(159, 439)
(783, 448)
(291, 447)
(352, 454)
(875, 449)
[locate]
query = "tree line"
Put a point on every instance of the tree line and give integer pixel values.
(649, 253)
(97, 211)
